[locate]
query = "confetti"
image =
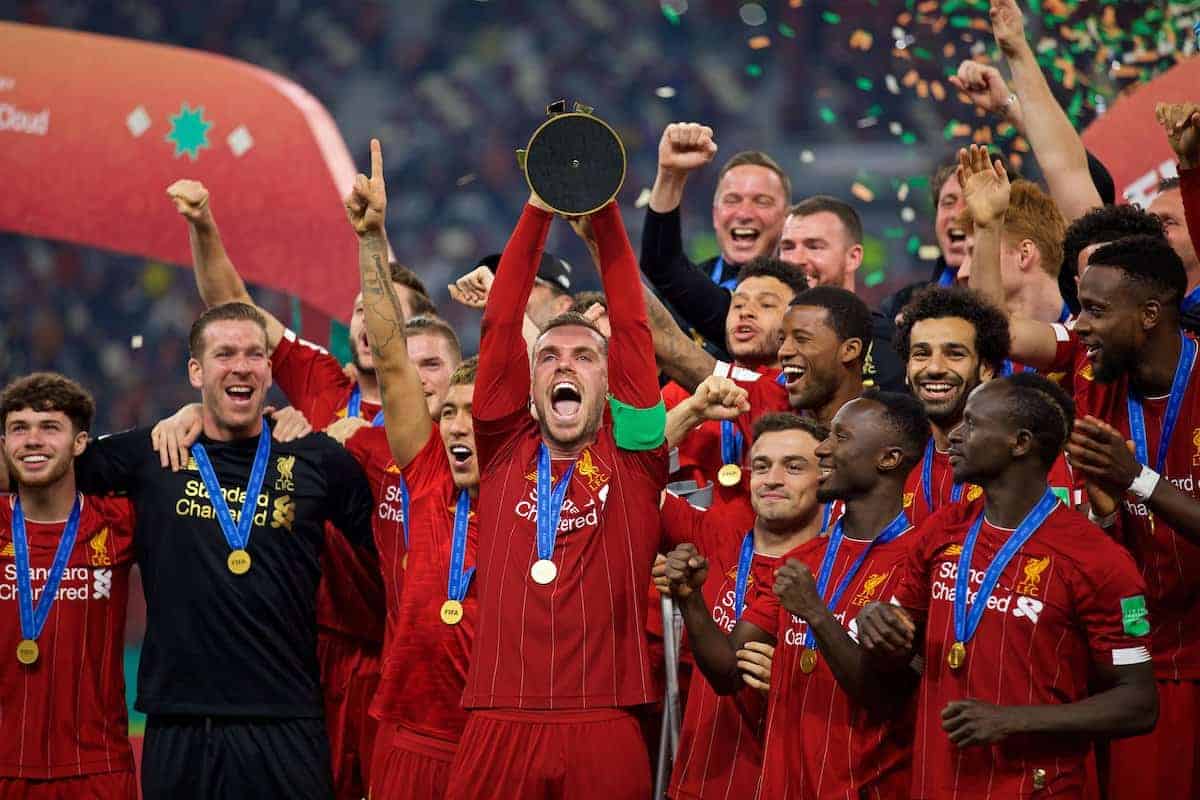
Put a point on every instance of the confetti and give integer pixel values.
(807, 157)
(665, 92)
(861, 40)
(862, 192)
(759, 42)
(643, 198)
(907, 214)
(892, 85)
(787, 31)
(902, 192)
(136, 342)
(827, 115)
(831, 17)
(752, 14)
(928, 252)
(754, 70)
(465, 179)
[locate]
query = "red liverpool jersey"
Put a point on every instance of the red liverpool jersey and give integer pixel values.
(349, 597)
(425, 660)
(820, 744)
(766, 395)
(941, 492)
(1070, 596)
(64, 715)
(720, 742)
(1168, 562)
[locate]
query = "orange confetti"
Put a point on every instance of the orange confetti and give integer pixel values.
(795, 3)
(923, 89)
(980, 24)
(904, 19)
(928, 7)
(760, 42)
(904, 54)
(1020, 144)
(910, 78)
(960, 129)
(939, 93)
(939, 24)
(861, 40)
(862, 192)
(963, 97)
(948, 50)
(983, 135)
(1016, 161)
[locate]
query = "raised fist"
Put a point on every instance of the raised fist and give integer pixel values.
(984, 85)
(797, 590)
(190, 199)
(685, 146)
(366, 205)
(720, 398)
(1181, 121)
(686, 570)
(886, 630)
(473, 288)
(985, 185)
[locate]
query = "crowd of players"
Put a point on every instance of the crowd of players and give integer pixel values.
(943, 548)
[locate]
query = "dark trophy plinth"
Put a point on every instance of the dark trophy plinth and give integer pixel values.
(574, 162)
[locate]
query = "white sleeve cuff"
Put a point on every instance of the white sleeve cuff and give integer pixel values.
(1124, 656)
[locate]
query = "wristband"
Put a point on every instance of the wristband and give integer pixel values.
(1103, 522)
(1144, 484)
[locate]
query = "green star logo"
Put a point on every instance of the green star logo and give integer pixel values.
(189, 131)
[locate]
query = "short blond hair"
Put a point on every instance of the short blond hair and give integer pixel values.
(1032, 215)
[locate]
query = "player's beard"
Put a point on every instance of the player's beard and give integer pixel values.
(585, 435)
(356, 360)
(1115, 361)
(947, 415)
(817, 390)
(59, 467)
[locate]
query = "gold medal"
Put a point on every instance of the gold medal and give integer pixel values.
(729, 475)
(452, 612)
(958, 655)
(238, 562)
(544, 571)
(27, 652)
(1039, 778)
(808, 660)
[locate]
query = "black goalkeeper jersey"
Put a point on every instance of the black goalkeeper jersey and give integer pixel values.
(217, 643)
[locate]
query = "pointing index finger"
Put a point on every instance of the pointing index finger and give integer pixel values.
(376, 160)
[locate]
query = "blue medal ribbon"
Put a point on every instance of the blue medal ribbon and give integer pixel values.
(826, 513)
(731, 443)
(404, 502)
(956, 492)
(743, 574)
(966, 622)
(718, 275)
(1137, 420)
(1065, 314)
(34, 615)
(459, 581)
(1006, 369)
(893, 531)
(354, 407)
(947, 277)
(1190, 300)
(549, 502)
(237, 535)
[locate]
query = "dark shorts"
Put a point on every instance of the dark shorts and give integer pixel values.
(234, 757)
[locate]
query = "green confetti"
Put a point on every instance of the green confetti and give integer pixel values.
(873, 278)
(875, 110)
(893, 233)
(828, 115)
(908, 137)
(787, 31)
(754, 70)
(831, 17)
(960, 21)
(866, 84)
(671, 14)
(913, 245)
(922, 53)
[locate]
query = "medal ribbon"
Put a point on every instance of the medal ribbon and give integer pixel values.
(826, 513)
(956, 492)
(893, 531)
(731, 443)
(238, 536)
(1137, 420)
(549, 502)
(966, 622)
(743, 574)
(1190, 300)
(459, 581)
(404, 501)
(354, 407)
(34, 615)
(718, 275)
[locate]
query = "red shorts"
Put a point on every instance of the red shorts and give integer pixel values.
(409, 766)
(1163, 764)
(551, 755)
(120, 785)
(349, 676)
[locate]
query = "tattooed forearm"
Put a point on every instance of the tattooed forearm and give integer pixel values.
(678, 355)
(383, 314)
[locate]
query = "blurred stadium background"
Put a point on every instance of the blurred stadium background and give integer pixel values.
(850, 97)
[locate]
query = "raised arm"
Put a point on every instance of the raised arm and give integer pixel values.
(405, 415)
(985, 185)
(1059, 150)
(716, 398)
(715, 653)
(216, 277)
(632, 375)
(1181, 121)
(684, 148)
(502, 383)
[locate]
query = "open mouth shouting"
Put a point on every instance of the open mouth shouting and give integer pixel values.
(460, 455)
(566, 401)
(958, 240)
(744, 235)
(240, 394)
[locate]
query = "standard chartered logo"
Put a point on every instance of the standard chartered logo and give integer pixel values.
(19, 120)
(101, 584)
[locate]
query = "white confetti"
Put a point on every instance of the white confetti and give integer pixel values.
(665, 92)
(643, 199)
(907, 214)
(807, 157)
(136, 342)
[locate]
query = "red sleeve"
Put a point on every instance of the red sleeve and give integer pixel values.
(1066, 354)
(763, 612)
(632, 372)
(682, 522)
(1111, 603)
(304, 371)
(502, 383)
(673, 394)
(912, 590)
(1189, 187)
(429, 466)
